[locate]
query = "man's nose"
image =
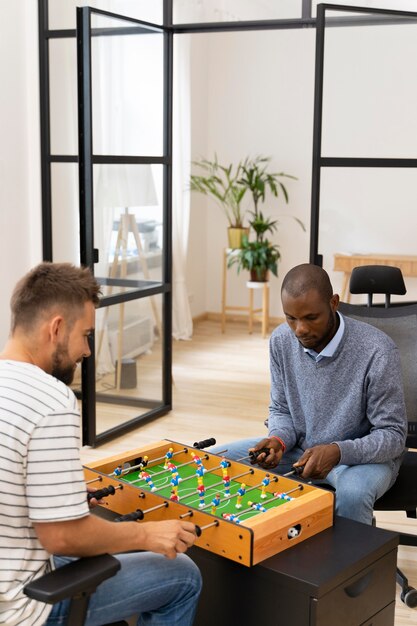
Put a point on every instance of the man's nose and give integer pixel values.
(301, 329)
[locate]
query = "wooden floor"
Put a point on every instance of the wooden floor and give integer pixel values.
(221, 390)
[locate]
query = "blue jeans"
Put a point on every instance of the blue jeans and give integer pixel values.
(357, 486)
(163, 591)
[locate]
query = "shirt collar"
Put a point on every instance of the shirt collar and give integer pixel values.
(329, 350)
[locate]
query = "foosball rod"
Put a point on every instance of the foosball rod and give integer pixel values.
(199, 529)
(278, 497)
(274, 479)
(197, 444)
(164, 471)
(139, 514)
(193, 495)
(132, 468)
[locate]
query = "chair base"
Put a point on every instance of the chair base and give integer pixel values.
(408, 594)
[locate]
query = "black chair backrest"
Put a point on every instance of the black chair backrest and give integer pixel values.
(400, 323)
(372, 279)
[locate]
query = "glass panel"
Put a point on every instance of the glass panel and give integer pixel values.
(127, 89)
(62, 15)
(65, 213)
(370, 89)
(368, 211)
(63, 96)
(189, 11)
(129, 334)
(128, 227)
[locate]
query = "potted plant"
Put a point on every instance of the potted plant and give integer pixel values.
(258, 257)
(261, 255)
(222, 183)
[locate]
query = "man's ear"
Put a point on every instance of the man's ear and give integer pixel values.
(56, 328)
(334, 302)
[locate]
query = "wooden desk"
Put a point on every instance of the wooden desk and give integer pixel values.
(346, 262)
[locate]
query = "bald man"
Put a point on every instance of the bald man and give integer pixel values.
(337, 406)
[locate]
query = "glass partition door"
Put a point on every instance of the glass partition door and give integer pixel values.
(124, 72)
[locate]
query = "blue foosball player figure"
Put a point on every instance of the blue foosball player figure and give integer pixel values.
(224, 464)
(215, 503)
(265, 484)
(240, 493)
(199, 473)
(118, 471)
(226, 483)
(257, 507)
(168, 457)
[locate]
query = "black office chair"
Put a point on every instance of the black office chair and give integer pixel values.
(400, 323)
(377, 279)
(76, 580)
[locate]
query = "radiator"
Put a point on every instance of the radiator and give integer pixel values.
(137, 338)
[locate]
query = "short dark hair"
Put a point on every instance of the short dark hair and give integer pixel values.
(49, 285)
(304, 277)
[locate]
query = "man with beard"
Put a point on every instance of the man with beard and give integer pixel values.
(44, 506)
(337, 408)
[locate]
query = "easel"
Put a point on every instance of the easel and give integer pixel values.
(127, 223)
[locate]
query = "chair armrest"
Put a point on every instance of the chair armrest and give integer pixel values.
(81, 576)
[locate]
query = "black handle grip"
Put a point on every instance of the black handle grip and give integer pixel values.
(198, 531)
(204, 444)
(131, 517)
(255, 453)
(101, 493)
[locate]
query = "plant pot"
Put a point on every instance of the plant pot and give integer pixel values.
(235, 236)
(259, 277)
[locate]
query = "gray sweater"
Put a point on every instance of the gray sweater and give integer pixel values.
(354, 398)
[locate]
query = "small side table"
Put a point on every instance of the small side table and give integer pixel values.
(261, 314)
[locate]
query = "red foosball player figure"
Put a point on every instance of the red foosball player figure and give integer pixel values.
(174, 496)
(226, 483)
(282, 496)
(198, 461)
(240, 493)
(257, 507)
(168, 457)
(201, 493)
(265, 484)
(215, 503)
(231, 517)
(118, 471)
(171, 467)
(148, 479)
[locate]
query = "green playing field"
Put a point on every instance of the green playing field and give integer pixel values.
(213, 484)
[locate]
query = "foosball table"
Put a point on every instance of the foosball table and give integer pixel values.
(241, 512)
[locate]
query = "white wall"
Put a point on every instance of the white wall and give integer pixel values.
(259, 93)
(20, 201)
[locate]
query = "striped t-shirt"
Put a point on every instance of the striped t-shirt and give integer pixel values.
(41, 479)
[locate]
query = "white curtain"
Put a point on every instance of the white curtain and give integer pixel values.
(182, 324)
